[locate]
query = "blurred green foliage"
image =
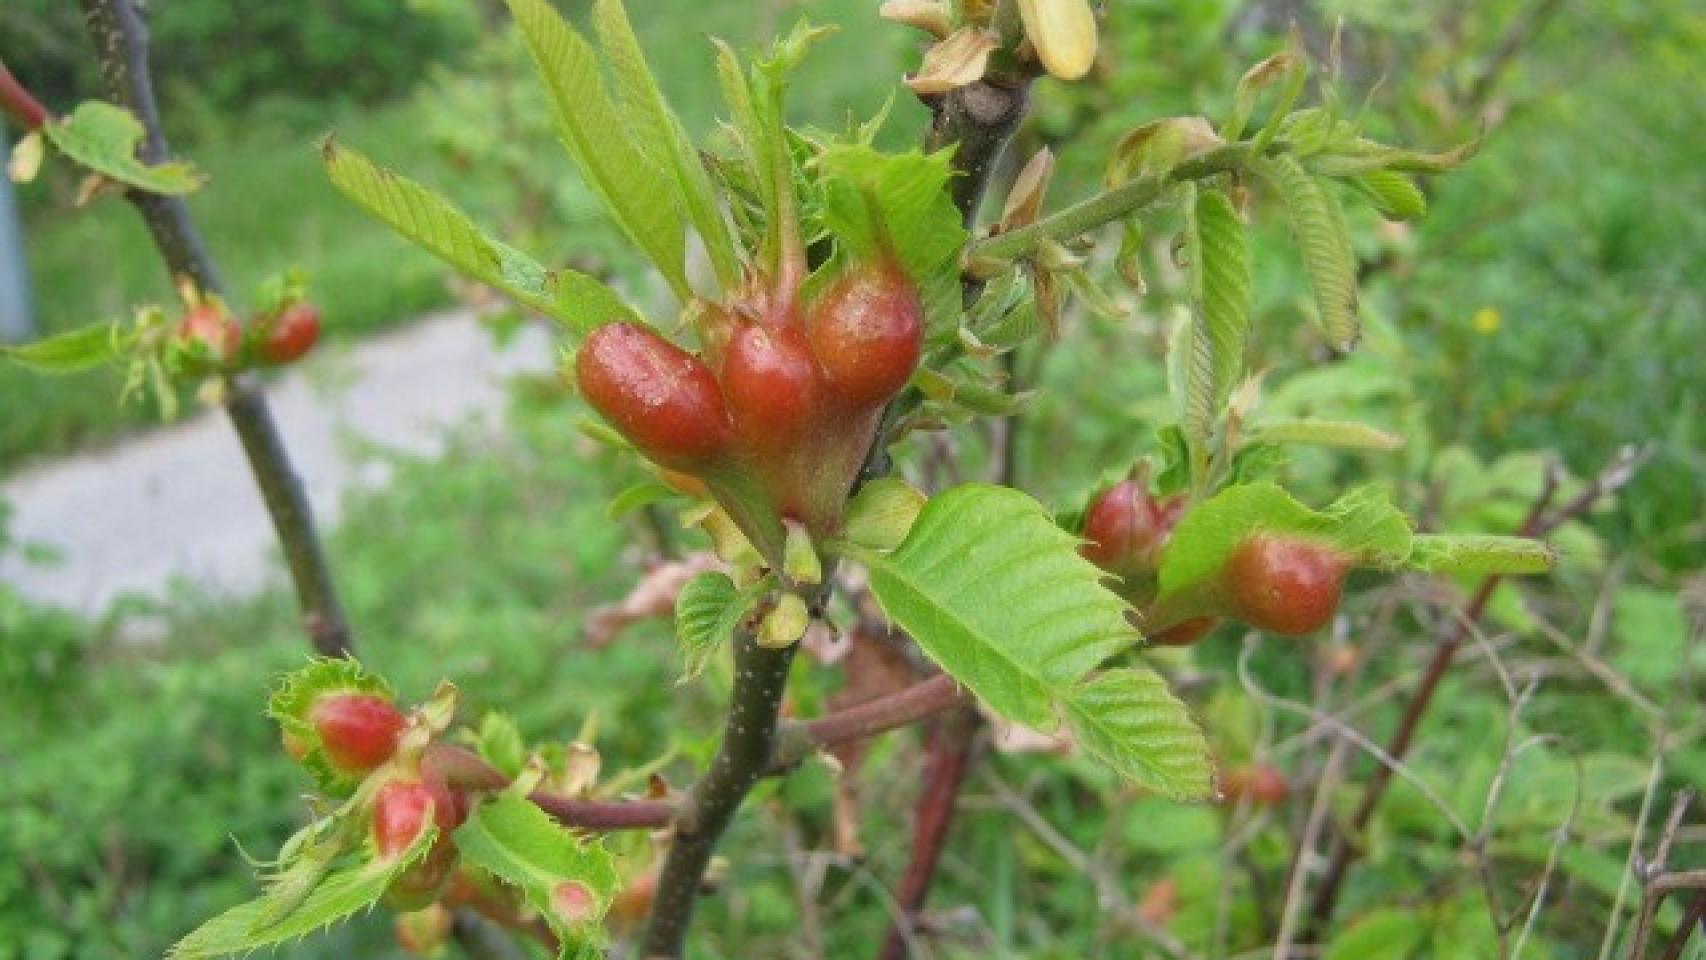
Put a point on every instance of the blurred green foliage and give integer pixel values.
(230, 54)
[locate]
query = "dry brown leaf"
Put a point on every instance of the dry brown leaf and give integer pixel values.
(955, 62)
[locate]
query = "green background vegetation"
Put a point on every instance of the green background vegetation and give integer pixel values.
(134, 755)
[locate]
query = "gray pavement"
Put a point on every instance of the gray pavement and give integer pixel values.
(178, 502)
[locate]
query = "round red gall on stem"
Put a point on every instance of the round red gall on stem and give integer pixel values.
(210, 329)
(662, 398)
(290, 335)
(400, 812)
(1285, 585)
(867, 332)
(359, 731)
(770, 384)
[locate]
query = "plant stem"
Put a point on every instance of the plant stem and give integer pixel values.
(1108, 206)
(977, 120)
(749, 740)
(1539, 523)
(461, 767)
(18, 103)
(121, 45)
(945, 772)
(920, 701)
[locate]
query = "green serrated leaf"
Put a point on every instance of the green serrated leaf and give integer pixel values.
(69, 352)
(903, 197)
(433, 224)
(1347, 434)
(1130, 721)
(1480, 554)
(659, 134)
(335, 896)
(293, 700)
(1219, 261)
(1362, 524)
(635, 191)
(1394, 194)
(707, 612)
(520, 844)
(998, 595)
(500, 743)
(1323, 239)
(105, 139)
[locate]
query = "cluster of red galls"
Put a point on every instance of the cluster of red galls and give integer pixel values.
(213, 340)
(777, 414)
(1281, 583)
(359, 733)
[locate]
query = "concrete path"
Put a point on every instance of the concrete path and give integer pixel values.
(179, 503)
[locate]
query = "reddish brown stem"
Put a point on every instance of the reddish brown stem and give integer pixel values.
(945, 772)
(1539, 523)
(461, 767)
(1690, 920)
(19, 104)
(903, 709)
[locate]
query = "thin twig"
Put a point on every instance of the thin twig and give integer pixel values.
(121, 44)
(18, 103)
(1541, 521)
(1691, 919)
(1656, 883)
(946, 765)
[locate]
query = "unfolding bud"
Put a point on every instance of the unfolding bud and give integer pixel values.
(882, 513)
(959, 60)
(931, 16)
(1025, 201)
(785, 624)
(800, 563)
(1063, 32)
(424, 932)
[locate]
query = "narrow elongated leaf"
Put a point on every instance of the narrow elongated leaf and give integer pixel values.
(997, 594)
(659, 134)
(69, 352)
(1130, 721)
(637, 193)
(436, 226)
(1323, 239)
(335, 896)
(1362, 524)
(1480, 554)
(1220, 274)
(1327, 433)
(567, 879)
(707, 612)
(105, 138)
(1394, 194)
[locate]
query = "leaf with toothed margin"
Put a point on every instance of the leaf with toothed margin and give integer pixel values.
(105, 139)
(994, 591)
(432, 223)
(707, 612)
(335, 895)
(568, 879)
(1324, 241)
(293, 701)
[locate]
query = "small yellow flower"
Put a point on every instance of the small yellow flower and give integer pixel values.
(1487, 321)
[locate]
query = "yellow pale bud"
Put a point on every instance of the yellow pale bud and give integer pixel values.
(1063, 33)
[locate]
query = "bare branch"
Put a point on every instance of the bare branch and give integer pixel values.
(18, 103)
